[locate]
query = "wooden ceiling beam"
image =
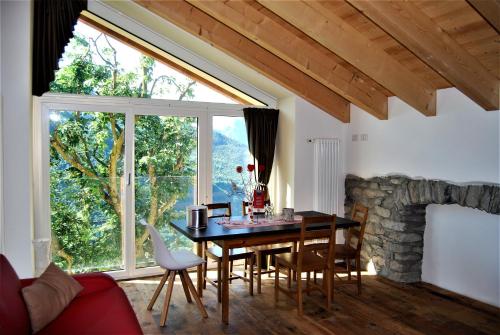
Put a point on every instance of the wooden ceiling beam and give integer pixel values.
(317, 20)
(312, 59)
(417, 32)
(200, 24)
(489, 10)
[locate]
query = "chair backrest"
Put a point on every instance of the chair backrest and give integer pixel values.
(310, 231)
(163, 256)
(359, 214)
(219, 205)
(244, 206)
(14, 318)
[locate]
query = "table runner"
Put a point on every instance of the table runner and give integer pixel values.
(258, 222)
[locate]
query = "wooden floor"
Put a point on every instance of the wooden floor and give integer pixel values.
(383, 308)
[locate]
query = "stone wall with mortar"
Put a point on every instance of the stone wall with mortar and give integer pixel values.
(394, 232)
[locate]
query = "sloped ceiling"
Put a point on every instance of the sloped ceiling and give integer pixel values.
(333, 53)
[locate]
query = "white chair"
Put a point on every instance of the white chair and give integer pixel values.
(173, 262)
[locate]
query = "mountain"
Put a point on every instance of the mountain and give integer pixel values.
(227, 154)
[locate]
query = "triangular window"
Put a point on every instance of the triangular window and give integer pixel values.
(102, 59)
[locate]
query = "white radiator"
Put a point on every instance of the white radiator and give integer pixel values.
(326, 170)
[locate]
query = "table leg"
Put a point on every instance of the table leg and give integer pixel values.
(259, 270)
(294, 250)
(225, 283)
(199, 270)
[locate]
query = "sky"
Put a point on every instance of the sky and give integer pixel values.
(232, 127)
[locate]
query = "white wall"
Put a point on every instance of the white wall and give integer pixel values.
(462, 258)
(16, 141)
(281, 188)
(311, 122)
(294, 166)
(461, 144)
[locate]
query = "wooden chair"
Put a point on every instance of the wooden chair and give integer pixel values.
(215, 253)
(351, 249)
(174, 262)
(308, 260)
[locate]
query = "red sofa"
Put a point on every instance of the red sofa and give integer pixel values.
(100, 308)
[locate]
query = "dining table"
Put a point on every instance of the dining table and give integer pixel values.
(229, 238)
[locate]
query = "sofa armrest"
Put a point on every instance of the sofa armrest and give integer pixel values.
(94, 282)
(91, 282)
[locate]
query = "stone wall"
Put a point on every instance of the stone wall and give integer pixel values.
(396, 221)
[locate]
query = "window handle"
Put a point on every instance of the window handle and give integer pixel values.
(129, 180)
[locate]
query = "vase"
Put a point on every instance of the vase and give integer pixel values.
(250, 211)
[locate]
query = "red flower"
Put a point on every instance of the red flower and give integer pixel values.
(239, 169)
(261, 167)
(250, 167)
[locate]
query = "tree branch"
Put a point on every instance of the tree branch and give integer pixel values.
(99, 53)
(113, 167)
(167, 205)
(186, 90)
(71, 159)
(114, 51)
(100, 161)
(113, 126)
(75, 162)
(162, 77)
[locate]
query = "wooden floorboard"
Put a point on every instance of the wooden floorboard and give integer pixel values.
(384, 307)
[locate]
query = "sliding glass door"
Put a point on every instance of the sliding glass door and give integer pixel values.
(106, 168)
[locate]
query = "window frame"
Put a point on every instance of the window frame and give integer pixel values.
(129, 107)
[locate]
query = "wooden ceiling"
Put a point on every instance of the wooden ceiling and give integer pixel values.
(333, 53)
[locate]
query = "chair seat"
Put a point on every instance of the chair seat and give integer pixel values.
(270, 249)
(180, 260)
(234, 254)
(310, 261)
(342, 250)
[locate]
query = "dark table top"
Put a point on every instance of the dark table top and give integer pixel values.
(215, 231)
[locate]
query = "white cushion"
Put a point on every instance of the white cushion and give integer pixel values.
(180, 260)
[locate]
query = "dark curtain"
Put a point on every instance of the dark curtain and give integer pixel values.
(262, 126)
(53, 25)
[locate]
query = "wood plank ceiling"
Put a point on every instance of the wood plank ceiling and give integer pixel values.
(333, 53)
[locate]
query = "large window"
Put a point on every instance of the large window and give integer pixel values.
(106, 164)
(111, 163)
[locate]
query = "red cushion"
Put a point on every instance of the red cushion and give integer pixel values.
(101, 308)
(94, 282)
(14, 318)
(101, 312)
